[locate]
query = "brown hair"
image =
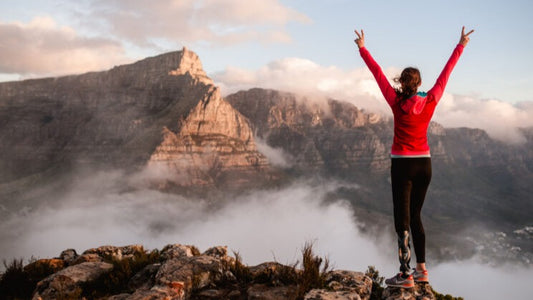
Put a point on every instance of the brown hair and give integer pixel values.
(410, 80)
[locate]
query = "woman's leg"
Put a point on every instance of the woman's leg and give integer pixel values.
(401, 191)
(421, 181)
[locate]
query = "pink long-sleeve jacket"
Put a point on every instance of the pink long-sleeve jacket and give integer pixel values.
(412, 115)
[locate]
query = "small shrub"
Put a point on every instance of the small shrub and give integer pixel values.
(377, 282)
(312, 276)
(239, 270)
(15, 283)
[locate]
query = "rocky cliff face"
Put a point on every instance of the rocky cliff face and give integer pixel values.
(335, 137)
(214, 140)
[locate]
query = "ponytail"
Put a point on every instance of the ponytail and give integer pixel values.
(409, 80)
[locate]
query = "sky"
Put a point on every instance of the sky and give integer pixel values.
(303, 46)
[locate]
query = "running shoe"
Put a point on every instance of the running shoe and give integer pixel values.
(400, 281)
(420, 276)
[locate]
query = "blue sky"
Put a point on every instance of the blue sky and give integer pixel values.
(286, 44)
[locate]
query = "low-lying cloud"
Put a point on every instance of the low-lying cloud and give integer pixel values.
(261, 225)
(43, 48)
(499, 118)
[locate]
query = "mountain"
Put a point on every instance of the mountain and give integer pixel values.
(163, 118)
(155, 113)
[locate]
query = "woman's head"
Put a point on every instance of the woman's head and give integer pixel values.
(409, 80)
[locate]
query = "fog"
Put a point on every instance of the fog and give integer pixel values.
(501, 119)
(262, 225)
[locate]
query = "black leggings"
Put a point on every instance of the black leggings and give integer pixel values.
(410, 179)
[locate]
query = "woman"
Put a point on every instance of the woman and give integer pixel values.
(410, 156)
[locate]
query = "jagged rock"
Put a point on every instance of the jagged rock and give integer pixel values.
(174, 291)
(331, 295)
(117, 253)
(272, 273)
(421, 291)
(145, 278)
(218, 252)
(265, 292)
(68, 256)
(91, 257)
(65, 283)
(349, 281)
(195, 272)
(177, 251)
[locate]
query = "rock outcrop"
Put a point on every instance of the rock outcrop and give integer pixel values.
(182, 272)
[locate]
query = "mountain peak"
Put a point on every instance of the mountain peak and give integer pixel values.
(189, 62)
(175, 63)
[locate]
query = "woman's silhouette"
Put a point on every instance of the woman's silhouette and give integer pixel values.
(410, 155)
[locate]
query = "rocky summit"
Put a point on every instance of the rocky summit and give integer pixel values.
(181, 272)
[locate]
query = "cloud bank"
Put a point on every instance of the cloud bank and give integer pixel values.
(263, 225)
(191, 21)
(500, 119)
(43, 48)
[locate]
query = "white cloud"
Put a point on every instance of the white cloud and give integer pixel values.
(308, 78)
(276, 156)
(189, 21)
(43, 48)
(500, 119)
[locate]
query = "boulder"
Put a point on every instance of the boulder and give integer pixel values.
(66, 283)
(265, 292)
(349, 281)
(318, 294)
(177, 250)
(421, 291)
(68, 256)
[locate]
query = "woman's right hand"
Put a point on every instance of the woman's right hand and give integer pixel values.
(360, 40)
(464, 37)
